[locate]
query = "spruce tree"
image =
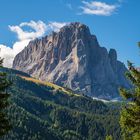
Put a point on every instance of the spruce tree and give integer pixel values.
(109, 137)
(130, 114)
(4, 84)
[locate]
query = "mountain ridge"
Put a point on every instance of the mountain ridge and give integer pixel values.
(73, 58)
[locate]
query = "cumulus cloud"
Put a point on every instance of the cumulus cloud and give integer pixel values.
(8, 54)
(38, 29)
(55, 26)
(98, 8)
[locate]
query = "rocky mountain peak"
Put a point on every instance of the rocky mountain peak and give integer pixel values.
(113, 54)
(75, 26)
(73, 58)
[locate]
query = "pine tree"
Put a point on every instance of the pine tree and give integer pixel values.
(109, 137)
(4, 84)
(130, 114)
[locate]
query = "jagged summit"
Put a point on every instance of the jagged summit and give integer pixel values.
(73, 58)
(75, 25)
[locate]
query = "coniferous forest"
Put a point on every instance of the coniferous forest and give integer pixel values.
(41, 112)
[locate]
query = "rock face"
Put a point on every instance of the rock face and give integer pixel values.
(73, 58)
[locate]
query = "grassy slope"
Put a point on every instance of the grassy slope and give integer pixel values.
(42, 110)
(56, 87)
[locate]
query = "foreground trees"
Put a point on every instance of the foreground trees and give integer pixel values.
(109, 137)
(130, 115)
(4, 84)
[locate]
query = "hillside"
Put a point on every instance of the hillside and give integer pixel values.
(44, 111)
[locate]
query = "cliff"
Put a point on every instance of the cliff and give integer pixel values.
(73, 58)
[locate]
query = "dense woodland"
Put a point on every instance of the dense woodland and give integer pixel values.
(40, 112)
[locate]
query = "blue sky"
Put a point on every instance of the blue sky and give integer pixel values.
(115, 22)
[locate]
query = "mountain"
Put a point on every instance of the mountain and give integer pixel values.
(44, 111)
(73, 58)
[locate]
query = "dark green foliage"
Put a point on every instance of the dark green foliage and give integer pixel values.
(41, 113)
(72, 135)
(4, 84)
(109, 137)
(130, 115)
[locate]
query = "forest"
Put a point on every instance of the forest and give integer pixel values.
(39, 111)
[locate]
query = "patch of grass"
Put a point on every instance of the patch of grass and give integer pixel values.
(49, 84)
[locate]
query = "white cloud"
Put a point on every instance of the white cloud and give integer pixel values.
(55, 26)
(98, 8)
(8, 54)
(39, 28)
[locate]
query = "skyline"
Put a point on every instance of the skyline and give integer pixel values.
(115, 23)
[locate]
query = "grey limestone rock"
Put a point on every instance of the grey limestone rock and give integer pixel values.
(73, 58)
